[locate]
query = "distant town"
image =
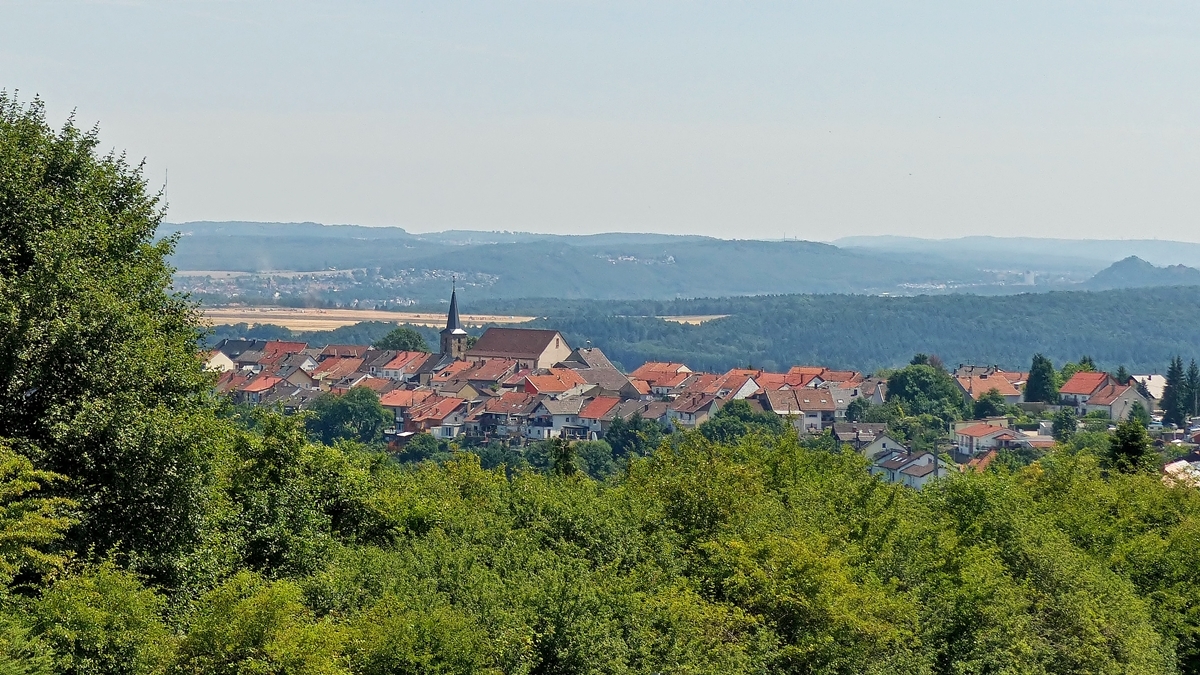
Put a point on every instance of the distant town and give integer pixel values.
(518, 386)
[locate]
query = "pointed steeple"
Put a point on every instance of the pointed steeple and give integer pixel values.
(452, 323)
(453, 337)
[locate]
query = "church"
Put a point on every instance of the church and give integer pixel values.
(531, 348)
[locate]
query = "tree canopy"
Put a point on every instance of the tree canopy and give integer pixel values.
(403, 339)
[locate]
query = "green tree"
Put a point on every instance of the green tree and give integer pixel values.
(403, 339)
(1041, 386)
(1173, 403)
(423, 447)
(1129, 449)
(596, 458)
(105, 621)
(636, 436)
(857, 409)
(1191, 389)
(736, 419)
(356, 415)
(1139, 414)
(990, 404)
(1065, 424)
(926, 390)
(99, 380)
(31, 525)
(563, 461)
(1122, 375)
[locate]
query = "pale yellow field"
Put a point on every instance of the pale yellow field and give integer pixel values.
(328, 319)
(693, 320)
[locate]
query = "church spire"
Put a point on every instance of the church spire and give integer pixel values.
(452, 322)
(453, 337)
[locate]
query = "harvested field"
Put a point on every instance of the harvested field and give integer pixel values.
(304, 319)
(695, 320)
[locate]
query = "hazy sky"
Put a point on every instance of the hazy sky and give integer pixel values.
(740, 119)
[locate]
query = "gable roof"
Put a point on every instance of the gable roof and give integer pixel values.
(1084, 383)
(517, 343)
(261, 383)
(981, 431)
(1108, 394)
(355, 351)
(404, 398)
(491, 370)
(598, 407)
(337, 367)
(406, 362)
(511, 403)
(435, 408)
(804, 399)
(556, 381)
(981, 383)
(692, 403)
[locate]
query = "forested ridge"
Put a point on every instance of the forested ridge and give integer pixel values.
(1140, 328)
(147, 527)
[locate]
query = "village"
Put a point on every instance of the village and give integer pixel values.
(518, 385)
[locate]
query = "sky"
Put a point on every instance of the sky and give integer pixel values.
(810, 120)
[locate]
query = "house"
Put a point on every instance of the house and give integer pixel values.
(653, 370)
(594, 414)
(505, 415)
(976, 385)
(692, 410)
(858, 434)
(912, 470)
(333, 369)
(553, 418)
(343, 352)
(874, 389)
(1116, 400)
(255, 389)
(489, 374)
(1153, 384)
(400, 401)
(975, 439)
(1076, 391)
(594, 367)
(230, 381)
(553, 381)
(811, 410)
(441, 416)
(881, 444)
(530, 348)
(403, 366)
(737, 384)
(218, 361)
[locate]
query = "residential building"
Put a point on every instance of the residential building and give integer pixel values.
(533, 349)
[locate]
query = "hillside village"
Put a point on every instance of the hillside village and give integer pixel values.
(517, 386)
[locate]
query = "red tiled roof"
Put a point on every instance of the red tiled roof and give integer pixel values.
(436, 408)
(980, 464)
(261, 383)
(1083, 384)
(1108, 394)
(404, 398)
(978, 385)
(691, 404)
(407, 361)
(230, 380)
(277, 347)
(375, 384)
(452, 371)
(642, 386)
(599, 407)
(556, 381)
(517, 378)
(354, 351)
(336, 367)
(657, 367)
(980, 430)
(510, 402)
(491, 370)
(669, 380)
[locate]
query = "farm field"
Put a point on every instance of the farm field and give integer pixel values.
(310, 319)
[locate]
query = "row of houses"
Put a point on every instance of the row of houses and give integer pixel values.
(1084, 392)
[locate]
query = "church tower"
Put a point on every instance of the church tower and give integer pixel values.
(454, 338)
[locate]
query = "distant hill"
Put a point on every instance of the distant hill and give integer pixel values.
(508, 265)
(399, 267)
(1133, 272)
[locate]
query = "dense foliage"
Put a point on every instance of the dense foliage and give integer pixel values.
(145, 528)
(404, 339)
